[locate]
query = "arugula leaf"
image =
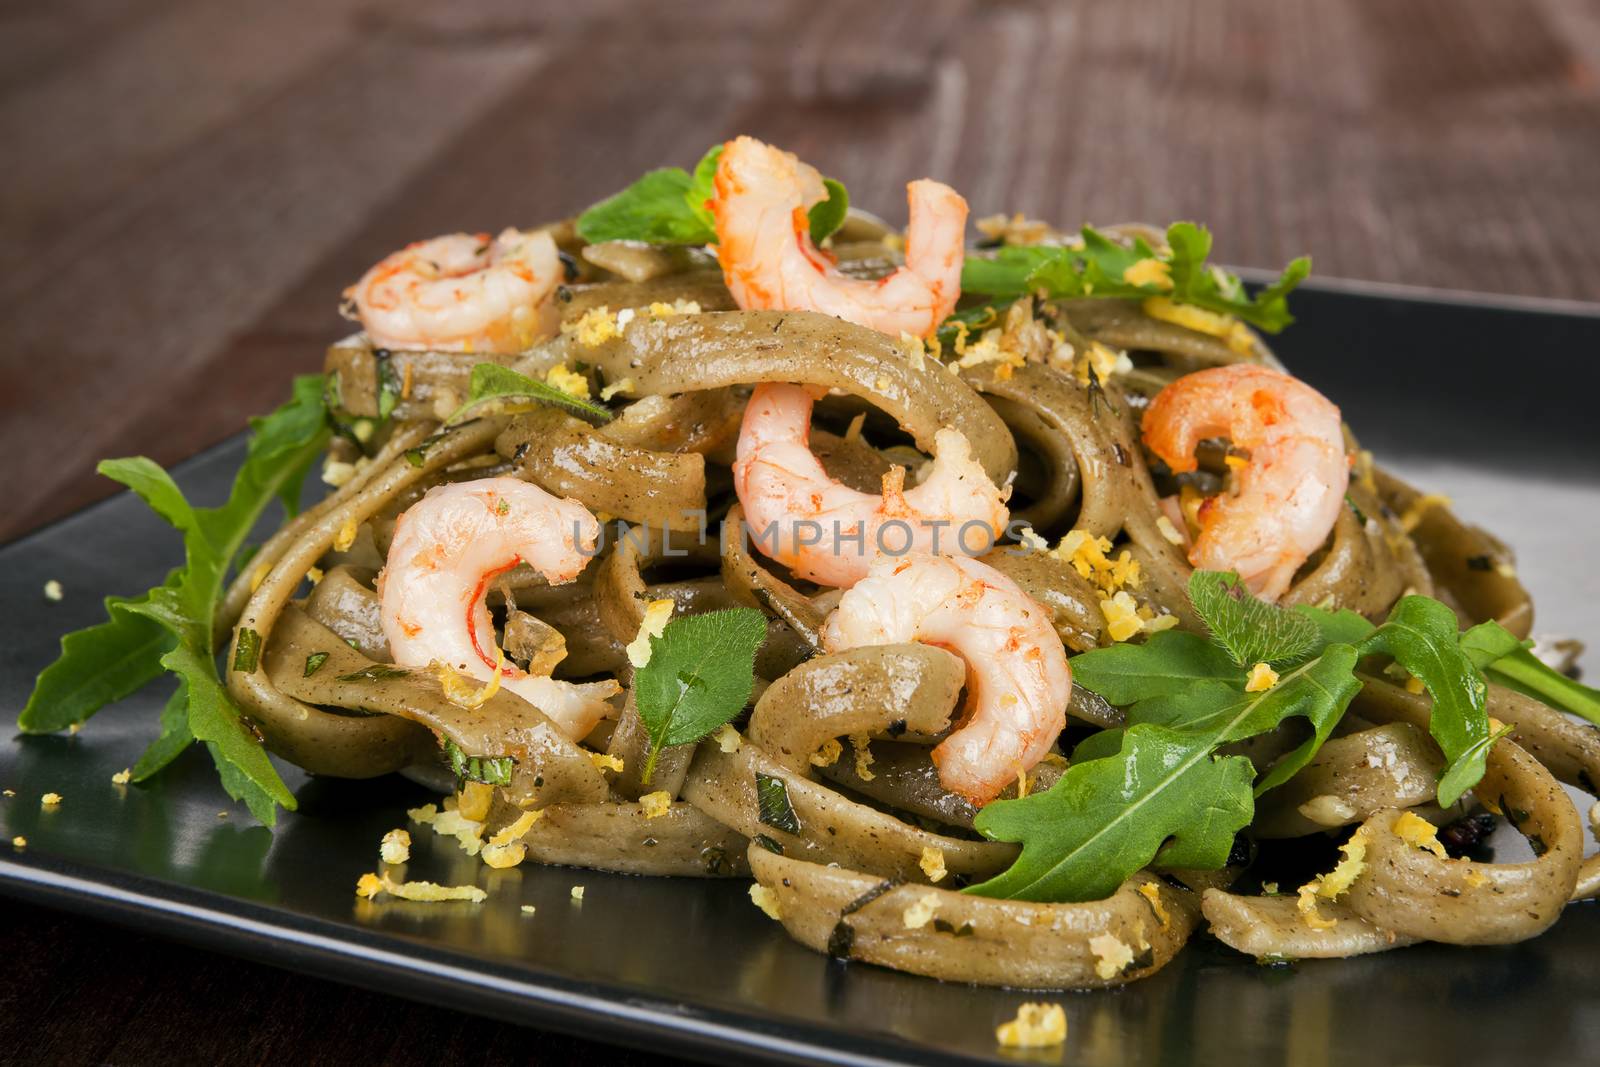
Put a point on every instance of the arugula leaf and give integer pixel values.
(174, 737)
(1169, 662)
(1104, 819)
(654, 209)
(175, 624)
(98, 665)
(497, 390)
(1100, 266)
(1423, 636)
(1336, 627)
(1496, 651)
(1164, 795)
(1252, 630)
(668, 206)
(699, 676)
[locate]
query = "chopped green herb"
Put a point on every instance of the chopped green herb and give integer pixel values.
(772, 804)
(699, 677)
(768, 843)
(378, 672)
(247, 650)
(487, 770)
(314, 663)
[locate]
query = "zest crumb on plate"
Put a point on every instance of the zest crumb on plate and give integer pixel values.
(1036, 1026)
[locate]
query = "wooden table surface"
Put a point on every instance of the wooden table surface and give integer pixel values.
(189, 183)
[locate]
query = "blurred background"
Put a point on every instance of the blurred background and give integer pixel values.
(190, 184)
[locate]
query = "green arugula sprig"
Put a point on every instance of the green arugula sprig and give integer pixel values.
(172, 627)
(1158, 791)
(1509, 662)
(1100, 266)
(699, 676)
(668, 207)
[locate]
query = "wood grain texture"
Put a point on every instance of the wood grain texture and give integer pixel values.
(190, 183)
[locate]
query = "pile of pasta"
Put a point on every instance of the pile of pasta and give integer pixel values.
(874, 837)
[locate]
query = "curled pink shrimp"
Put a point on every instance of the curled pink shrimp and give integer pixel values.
(448, 547)
(827, 532)
(467, 292)
(769, 261)
(1018, 681)
(1286, 497)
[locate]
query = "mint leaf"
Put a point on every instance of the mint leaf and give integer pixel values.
(699, 677)
(497, 390)
(1496, 651)
(1423, 636)
(669, 206)
(1099, 266)
(654, 209)
(703, 189)
(1252, 630)
(97, 666)
(1163, 792)
(828, 216)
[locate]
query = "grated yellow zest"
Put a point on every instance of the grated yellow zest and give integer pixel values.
(50, 800)
(395, 847)
(1332, 885)
(920, 912)
(860, 743)
(679, 306)
(501, 857)
(654, 805)
(828, 754)
(515, 831)
(577, 893)
(932, 863)
(1260, 679)
(595, 327)
(1149, 272)
(1229, 329)
(431, 892)
(1112, 955)
(568, 381)
(19, 842)
(1418, 832)
(347, 535)
(728, 739)
(1036, 1026)
(1149, 891)
(474, 799)
(606, 762)
(458, 688)
(122, 777)
(621, 385)
(656, 616)
(766, 900)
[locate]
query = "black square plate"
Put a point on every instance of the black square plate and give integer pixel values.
(1491, 402)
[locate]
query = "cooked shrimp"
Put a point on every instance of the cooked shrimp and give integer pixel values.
(464, 291)
(1285, 497)
(1018, 681)
(448, 547)
(827, 532)
(768, 260)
